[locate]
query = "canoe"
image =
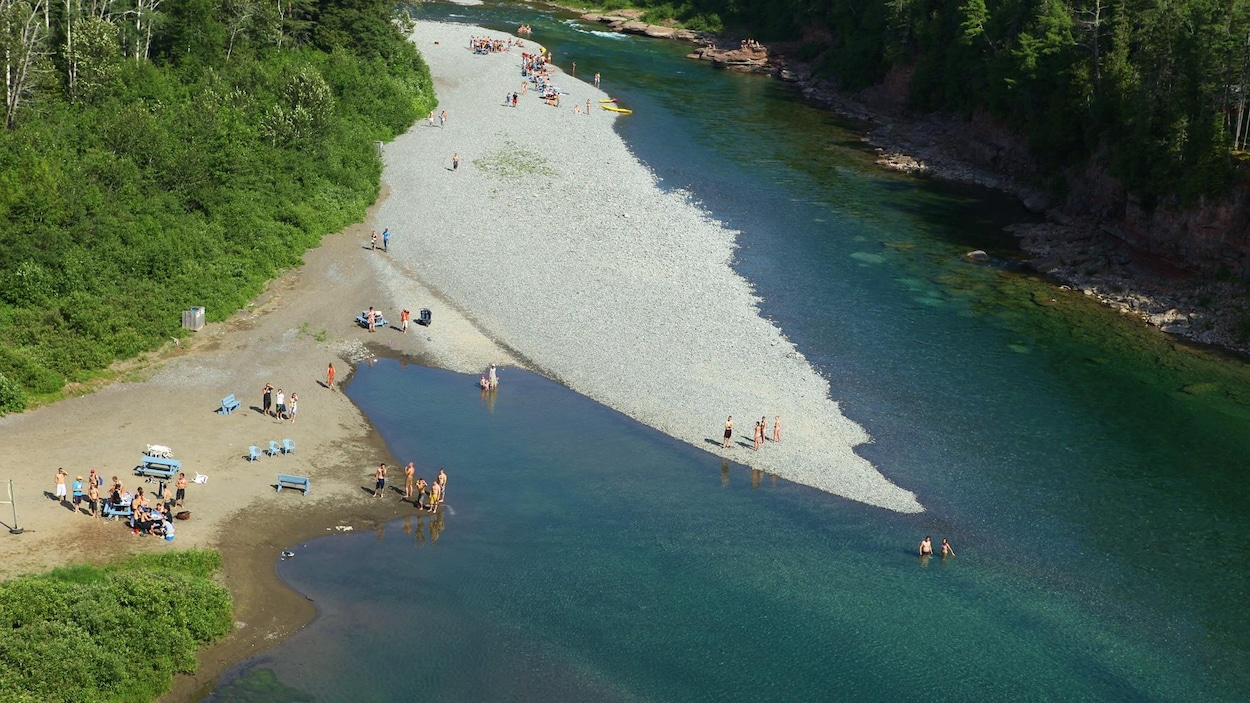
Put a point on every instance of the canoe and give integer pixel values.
(609, 100)
(614, 108)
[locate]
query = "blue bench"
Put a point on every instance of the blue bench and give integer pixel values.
(253, 453)
(113, 512)
(158, 466)
(294, 482)
(288, 446)
(228, 405)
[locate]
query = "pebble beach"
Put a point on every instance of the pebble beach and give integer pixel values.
(559, 244)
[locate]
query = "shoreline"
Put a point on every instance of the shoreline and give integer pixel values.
(550, 220)
(1075, 253)
(303, 320)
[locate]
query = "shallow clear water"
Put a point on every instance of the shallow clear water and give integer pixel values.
(1088, 471)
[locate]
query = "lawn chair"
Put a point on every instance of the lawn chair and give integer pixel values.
(273, 448)
(288, 446)
(253, 453)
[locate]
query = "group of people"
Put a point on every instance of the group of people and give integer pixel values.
(386, 238)
(758, 436)
(926, 548)
(524, 30)
(486, 45)
(490, 379)
(275, 405)
(147, 517)
(751, 45)
(426, 496)
(441, 117)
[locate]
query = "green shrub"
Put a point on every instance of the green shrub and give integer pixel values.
(117, 632)
(12, 399)
(187, 180)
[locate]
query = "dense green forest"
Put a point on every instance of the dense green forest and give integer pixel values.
(159, 154)
(117, 632)
(1155, 90)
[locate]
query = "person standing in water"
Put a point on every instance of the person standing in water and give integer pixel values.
(926, 547)
(729, 432)
(410, 472)
(492, 377)
(947, 549)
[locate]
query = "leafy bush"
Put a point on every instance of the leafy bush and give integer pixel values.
(109, 633)
(190, 178)
(12, 399)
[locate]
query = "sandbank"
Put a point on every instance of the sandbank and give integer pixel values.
(558, 243)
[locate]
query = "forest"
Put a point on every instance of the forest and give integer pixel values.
(161, 154)
(1152, 90)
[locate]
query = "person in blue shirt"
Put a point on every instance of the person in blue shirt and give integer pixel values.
(386, 240)
(77, 488)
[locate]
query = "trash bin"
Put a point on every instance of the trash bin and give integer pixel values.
(425, 317)
(193, 319)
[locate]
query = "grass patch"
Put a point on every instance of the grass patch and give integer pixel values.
(514, 161)
(116, 632)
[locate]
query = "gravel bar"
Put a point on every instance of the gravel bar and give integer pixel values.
(558, 243)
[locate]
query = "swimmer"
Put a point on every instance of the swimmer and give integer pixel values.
(947, 549)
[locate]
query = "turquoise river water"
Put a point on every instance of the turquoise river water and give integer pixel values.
(1089, 472)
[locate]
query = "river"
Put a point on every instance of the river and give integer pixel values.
(1088, 470)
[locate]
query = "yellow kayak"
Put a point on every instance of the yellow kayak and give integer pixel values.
(614, 108)
(608, 100)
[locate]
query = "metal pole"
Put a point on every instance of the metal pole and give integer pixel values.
(15, 530)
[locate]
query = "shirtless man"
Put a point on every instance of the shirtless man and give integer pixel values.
(729, 432)
(60, 485)
(926, 547)
(93, 499)
(380, 478)
(776, 429)
(180, 490)
(409, 480)
(763, 430)
(421, 488)
(442, 483)
(436, 496)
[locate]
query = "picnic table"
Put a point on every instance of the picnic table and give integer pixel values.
(378, 320)
(158, 466)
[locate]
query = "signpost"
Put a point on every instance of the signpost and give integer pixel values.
(13, 529)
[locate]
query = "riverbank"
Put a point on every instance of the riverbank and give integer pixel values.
(562, 244)
(287, 336)
(1092, 256)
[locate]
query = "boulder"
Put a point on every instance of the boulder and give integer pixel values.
(978, 256)
(659, 32)
(634, 27)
